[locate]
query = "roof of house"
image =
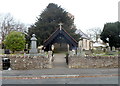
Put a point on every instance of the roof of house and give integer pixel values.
(83, 35)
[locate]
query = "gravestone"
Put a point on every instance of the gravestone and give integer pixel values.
(40, 48)
(49, 53)
(113, 48)
(33, 49)
(108, 49)
(42, 52)
(71, 53)
(80, 53)
(79, 50)
(99, 48)
(109, 52)
(7, 51)
(26, 49)
(74, 52)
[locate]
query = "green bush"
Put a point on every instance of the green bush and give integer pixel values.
(15, 41)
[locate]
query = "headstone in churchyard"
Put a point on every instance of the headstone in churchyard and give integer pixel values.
(99, 48)
(49, 53)
(26, 49)
(33, 49)
(78, 51)
(42, 51)
(109, 52)
(7, 51)
(108, 49)
(74, 52)
(71, 53)
(81, 49)
(81, 53)
(104, 49)
(113, 48)
(40, 48)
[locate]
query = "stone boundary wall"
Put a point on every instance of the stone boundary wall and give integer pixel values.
(29, 62)
(93, 62)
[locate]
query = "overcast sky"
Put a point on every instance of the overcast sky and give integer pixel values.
(88, 13)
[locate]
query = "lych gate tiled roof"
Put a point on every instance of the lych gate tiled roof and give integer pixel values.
(69, 39)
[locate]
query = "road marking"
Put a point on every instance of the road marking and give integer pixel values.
(46, 77)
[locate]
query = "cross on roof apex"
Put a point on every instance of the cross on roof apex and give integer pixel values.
(60, 24)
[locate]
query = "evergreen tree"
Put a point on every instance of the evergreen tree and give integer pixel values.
(111, 31)
(48, 22)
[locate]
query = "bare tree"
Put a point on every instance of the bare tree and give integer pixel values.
(8, 24)
(94, 33)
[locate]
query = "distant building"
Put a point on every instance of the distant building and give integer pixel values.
(85, 42)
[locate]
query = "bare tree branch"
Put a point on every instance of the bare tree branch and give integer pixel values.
(94, 33)
(8, 24)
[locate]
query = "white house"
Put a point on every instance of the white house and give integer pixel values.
(85, 42)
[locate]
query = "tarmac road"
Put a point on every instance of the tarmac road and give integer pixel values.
(83, 76)
(80, 80)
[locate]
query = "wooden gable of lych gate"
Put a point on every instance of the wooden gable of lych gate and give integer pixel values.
(60, 36)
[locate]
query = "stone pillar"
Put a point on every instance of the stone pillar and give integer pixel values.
(68, 46)
(50, 59)
(33, 49)
(80, 46)
(52, 47)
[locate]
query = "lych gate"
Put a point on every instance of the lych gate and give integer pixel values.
(60, 36)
